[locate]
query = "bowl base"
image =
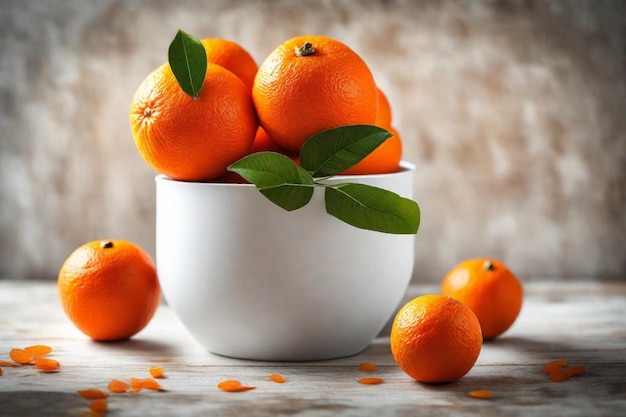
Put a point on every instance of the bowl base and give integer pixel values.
(295, 357)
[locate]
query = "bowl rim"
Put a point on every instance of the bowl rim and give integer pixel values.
(405, 166)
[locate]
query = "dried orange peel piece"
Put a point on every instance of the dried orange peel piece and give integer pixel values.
(46, 364)
(233, 385)
(135, 384)
(367, 367)
(148, 383)
(21, 356)
(481, 393)
(38, 349)
(554, 365)
(157, 372)
(558, 372)
(574, 370)
(99, 406)
(277, 378)
(117, 386)
(370, 381)
(7, 364)
(93, 394)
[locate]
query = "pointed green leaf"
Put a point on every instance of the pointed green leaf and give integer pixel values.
(372, 208)
(333, 151)
(277, 177)
(188, 60)
(289, 196)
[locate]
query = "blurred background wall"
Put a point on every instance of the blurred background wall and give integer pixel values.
(513, 111)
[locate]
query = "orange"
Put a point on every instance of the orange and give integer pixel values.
(310, 84)
(109, 289)
(233, 57)
(489, 289)
(386, 158)
(383, 114)
(263, 142)
(187, 139)
(435, 339)
(383, 160)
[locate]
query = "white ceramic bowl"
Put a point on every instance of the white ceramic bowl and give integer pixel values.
(251, 280)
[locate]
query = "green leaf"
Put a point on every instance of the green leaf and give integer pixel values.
(372, 208)
(333, 151)
(277, 177)
(187, 58)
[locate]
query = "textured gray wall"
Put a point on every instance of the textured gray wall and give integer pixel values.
(513, 111)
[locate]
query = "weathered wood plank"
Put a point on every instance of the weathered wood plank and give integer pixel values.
(582, 322)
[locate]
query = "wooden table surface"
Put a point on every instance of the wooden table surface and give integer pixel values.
(583, 322)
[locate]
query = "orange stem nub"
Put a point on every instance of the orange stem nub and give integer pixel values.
(305, 50)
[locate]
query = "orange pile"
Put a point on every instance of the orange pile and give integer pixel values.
(437, 338)
(306, 85)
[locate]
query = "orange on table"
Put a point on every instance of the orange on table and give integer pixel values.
(188, 139)
(109, 289)
(490, 289)
(233, 57)
(435, 339)
(310, 84)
